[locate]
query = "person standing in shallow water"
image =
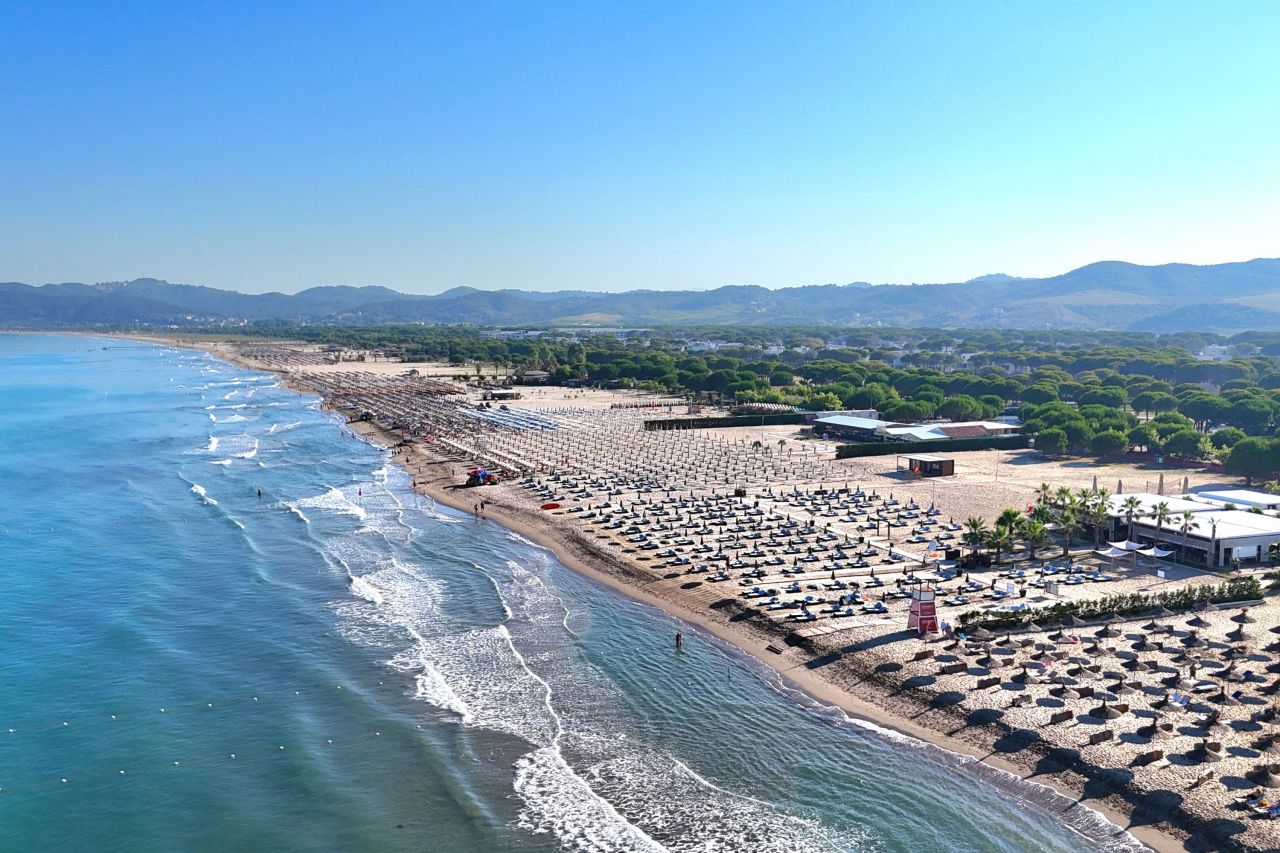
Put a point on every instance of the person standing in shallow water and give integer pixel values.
(679, 641)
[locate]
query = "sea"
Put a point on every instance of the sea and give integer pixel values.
(227, 623)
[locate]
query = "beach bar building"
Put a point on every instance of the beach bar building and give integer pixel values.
(1218, 537)
(924, 465)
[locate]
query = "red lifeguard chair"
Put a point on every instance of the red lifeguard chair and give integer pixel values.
(923, 615)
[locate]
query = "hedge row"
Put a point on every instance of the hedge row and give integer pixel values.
(1129, 604)
(942, 445)
(726, 421)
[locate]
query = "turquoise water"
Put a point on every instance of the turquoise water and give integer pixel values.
(387, 676)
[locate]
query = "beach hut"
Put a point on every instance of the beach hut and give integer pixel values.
(925, 465)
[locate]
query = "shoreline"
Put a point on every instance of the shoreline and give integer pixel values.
(431, 474)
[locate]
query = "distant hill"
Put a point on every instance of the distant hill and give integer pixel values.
(1105, 295)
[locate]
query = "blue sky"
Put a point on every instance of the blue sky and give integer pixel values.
(609, 146)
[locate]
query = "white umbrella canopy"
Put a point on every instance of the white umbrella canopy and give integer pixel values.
(1112, 552)
(1155, 552)
(1127, 545)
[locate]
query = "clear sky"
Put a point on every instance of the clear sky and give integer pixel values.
(275, 146)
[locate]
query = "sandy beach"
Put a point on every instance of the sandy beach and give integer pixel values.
(868, 665)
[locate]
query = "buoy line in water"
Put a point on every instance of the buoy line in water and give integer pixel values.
(55, 779)
(64, 722)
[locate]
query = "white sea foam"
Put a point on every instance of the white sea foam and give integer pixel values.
(275, 428)
(220, 462)
(237, 445)
(334, 500)
(234, 419)
(365, 589)
(212, 446)
(516, 537)
(294, 509)
(204, 495)
(559, 802)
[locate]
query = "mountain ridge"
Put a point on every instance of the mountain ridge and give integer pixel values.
(1102, 295)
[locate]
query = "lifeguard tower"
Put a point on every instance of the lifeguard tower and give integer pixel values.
(923, 616)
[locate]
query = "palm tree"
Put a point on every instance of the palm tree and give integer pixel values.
(999, 540)
(1187, 518)
(1161, 514)
(975, 532)
(1099, 506)
(1131, 506)
(1041, 513)
(1008, 518)
(1062, 496)
(1034, 534)
(1071, 525)
(1043, 493)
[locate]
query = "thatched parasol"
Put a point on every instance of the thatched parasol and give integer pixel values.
(1105, 712)
(1269, 744)
(1208, 751)
(1267, 774)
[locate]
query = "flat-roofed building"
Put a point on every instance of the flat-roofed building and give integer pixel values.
(1217, 536)
(1239, 497)
(925, 465)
